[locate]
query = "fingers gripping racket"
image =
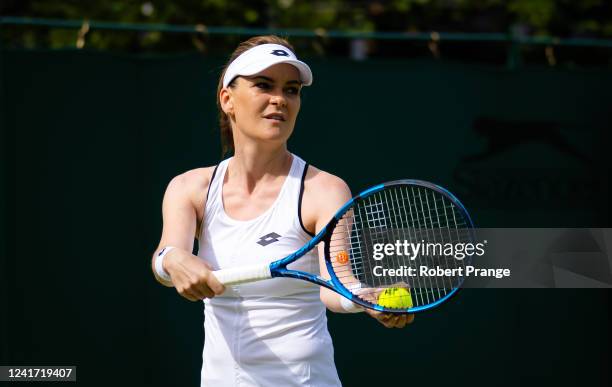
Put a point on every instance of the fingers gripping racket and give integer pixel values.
(371, 245)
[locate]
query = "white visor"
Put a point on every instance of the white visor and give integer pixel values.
(259, 58)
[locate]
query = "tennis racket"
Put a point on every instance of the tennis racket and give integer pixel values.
(379, 231)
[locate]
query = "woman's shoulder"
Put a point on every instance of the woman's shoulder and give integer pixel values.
(192, 183)
(324, 194)
(194, 178)
(319, 181)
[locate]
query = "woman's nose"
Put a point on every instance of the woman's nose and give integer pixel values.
(278, 100)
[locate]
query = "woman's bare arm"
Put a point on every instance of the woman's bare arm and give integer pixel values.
(183, 203)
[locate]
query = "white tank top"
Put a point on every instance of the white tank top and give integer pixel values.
(272, 331)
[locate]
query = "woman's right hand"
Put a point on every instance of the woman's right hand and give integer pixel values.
(191, 276)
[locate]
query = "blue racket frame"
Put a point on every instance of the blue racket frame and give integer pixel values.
(279, 268)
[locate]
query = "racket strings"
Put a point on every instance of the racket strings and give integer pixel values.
(414, 216)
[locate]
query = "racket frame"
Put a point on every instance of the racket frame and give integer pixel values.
(279, 268)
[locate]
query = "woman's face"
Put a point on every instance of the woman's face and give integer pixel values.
(264, 106)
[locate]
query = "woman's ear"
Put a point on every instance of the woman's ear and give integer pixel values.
(226, 101)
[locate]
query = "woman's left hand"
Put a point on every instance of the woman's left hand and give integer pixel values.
(391, 320)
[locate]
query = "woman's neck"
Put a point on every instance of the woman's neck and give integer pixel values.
(251, 165)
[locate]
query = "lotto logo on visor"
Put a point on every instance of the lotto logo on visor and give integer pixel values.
(280, 53)
(259, 58)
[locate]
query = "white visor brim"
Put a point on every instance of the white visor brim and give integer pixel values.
(259, 58)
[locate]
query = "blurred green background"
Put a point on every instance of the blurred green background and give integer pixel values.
(90, 138)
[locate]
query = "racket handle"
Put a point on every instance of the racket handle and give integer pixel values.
(243, 274)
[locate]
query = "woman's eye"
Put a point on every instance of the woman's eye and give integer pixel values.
(293, 90)
(263, 85)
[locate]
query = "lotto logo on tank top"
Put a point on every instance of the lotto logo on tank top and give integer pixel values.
(268, 239)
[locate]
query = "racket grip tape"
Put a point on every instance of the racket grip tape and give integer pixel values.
(243, 274)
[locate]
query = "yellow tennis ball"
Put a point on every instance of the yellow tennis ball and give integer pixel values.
(398, 298)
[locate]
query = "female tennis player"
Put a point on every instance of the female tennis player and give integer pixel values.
(257, 206)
